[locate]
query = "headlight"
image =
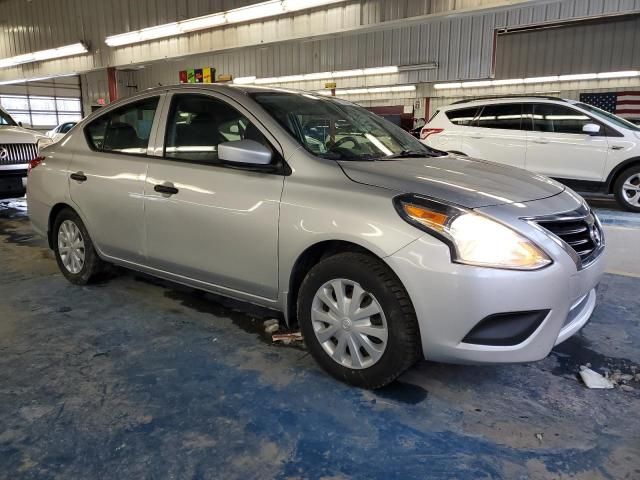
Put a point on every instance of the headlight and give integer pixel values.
(473, 238)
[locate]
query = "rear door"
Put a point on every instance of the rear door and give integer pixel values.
(558, 148)
(496, 134)
(107, 179)
(205, 220)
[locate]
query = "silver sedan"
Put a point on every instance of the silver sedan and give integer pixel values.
(379, 248)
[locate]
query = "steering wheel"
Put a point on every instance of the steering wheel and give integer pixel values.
(346, 139)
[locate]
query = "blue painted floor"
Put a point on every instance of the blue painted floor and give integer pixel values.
(135, 378)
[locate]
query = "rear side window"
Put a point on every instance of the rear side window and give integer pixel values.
(197, 124)
(462, 117)
(124, 130)
(506, 116)
(551, 118)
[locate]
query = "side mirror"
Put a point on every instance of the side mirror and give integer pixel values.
(19, 124)
(591, 129)
(244, 152)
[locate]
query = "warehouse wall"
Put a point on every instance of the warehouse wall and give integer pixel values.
(347, 35)
(606, 45)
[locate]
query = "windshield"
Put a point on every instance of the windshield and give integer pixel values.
(620, 122)
(5, 119)
(339, 130)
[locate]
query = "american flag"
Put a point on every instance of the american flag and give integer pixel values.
(623, 104)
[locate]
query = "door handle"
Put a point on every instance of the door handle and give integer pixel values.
(78, 177)
(166, 189)
(540, 140)
(616, 147)
(476, 137)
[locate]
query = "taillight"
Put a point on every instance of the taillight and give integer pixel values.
(425, 132)
(34, 163)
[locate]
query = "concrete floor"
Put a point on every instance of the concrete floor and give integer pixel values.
(136, 378)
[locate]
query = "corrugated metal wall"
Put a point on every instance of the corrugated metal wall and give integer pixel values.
(363, 33)
(610, 45)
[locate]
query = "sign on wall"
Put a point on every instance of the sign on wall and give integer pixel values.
(198, 75)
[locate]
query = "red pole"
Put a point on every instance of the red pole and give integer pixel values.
(113, 84)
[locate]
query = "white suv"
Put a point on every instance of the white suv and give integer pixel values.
(580, 145)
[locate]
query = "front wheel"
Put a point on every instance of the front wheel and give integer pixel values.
(627, 189)
(73, 248)
(357, 320)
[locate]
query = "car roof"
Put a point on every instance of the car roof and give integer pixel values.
(505, 99)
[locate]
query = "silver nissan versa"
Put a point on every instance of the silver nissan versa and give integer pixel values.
(379, 248)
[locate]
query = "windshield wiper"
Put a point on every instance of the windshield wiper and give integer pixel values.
(407, 154)
(428, 152)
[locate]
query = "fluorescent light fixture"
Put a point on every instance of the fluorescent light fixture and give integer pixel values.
(201, 23)
(262, 81)
(550, 78)
(440, 86)
(508, 81)
(318, 76)
(628, 73)
(291, 78)
(66, 51)
(380, 70)
(480, 83)
(237, 15)
(37, 79)
(578, 76)
(370, 90)
(253, 12)
(404, 88)
(348, 73)
(244, 80)
(295, 5)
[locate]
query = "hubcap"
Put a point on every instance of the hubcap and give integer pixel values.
(349, 324)
(631, 190)
(71, 246)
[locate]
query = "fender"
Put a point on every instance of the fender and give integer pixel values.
(617, 169)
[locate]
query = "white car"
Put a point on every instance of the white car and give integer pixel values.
(60, 131)
(583, 146)
(18, 146)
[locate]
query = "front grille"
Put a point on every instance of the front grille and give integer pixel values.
(582, 233)
(17, 153)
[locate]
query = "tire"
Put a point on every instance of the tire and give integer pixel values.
(402, 347)
(79, 273)
(628, 198)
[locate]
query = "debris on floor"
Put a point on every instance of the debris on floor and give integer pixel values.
(271, 326)
(593, 379)
(539, 437)
(287, 338)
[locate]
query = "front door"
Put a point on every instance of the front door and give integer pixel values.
(107, 182)
(204, 220)
(558, 148)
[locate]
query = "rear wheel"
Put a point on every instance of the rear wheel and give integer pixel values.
(357, 320)
(627, 189)
(73, 248)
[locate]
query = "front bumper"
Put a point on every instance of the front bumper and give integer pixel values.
(450, 299)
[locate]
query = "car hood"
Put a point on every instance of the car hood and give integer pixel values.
(10, 134)
(461, 180)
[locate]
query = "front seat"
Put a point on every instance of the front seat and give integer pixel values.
(120, 136)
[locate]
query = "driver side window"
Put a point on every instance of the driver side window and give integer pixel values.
(197, 124)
